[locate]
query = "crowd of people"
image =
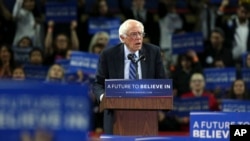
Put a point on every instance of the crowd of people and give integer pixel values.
(225, 31)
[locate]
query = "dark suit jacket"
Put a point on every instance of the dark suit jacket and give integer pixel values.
(111, 66)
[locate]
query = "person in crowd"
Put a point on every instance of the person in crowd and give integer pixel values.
(97, 48)
(7, 62)
(25, 42)
(57, 49)
(247, 61)
(7, 25)
(138, 11)
(187, 65)
(239, 90)
(18, 73)
(237, 28)
(25, 14)
(100, 37)
(217, 48)
(36, 57)
(55, 73)
(167, 15)
(131, 33)
(101, 9)
(207, 15)
(197, 89)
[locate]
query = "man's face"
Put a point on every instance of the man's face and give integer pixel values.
(242, 13)
(134, 37)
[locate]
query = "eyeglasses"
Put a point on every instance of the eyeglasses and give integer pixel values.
(134, 35)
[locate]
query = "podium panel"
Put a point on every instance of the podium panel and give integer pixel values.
(136, 122)
(136, 103)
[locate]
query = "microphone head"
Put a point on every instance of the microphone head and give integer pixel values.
(142, 57)
(130, 57)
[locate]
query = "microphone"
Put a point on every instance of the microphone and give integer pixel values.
(130, 57)
(142, 57)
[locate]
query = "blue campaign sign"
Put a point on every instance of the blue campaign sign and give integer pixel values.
(219, 77)
(245, 75)
(214, 126)
(28, 106)
(21, 55)
(138, 88)
(103, 24)
(34, 72)
(169, 138)
(228, 105)
(143, 138)
(87, 62)
(183, 106)
(61, 11)
(181, 43)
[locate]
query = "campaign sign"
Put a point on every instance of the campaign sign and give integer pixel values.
(183, 106)
(228, 105)
(26, 107)
(245, 75)
(181, 43)
(21, 55)
(138, 88)
(143, 138)
(215, 126)
(103, 24)
(87, 62)
(61, 11)
(34, 72)
(219, 77)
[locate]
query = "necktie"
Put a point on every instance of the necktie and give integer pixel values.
(133, 68)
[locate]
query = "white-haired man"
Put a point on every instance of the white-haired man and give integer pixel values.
(114, 62)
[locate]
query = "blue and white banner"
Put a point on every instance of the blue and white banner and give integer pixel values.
(245, 75)
(61, 11)
(219, 77)
(181, 43)
(34, 72)
(60, 109)
(183, 106)
(141, 138)
(87, 62)
(138, 88)
(228, 105)
(109, 25)
(214, 126)
(21, 55)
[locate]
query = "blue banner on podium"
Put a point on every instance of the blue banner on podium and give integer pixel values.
(181, 43)
(138, 88)
(60, 109)
(214, 126)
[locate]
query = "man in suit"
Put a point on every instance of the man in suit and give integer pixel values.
(114, 62)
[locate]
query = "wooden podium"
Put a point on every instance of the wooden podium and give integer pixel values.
(136, 116)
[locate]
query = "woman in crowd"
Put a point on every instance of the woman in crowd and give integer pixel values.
(57, 49)
(239, 90)
(6, 62)
(55, 73)
(99, 38)
(26, 16)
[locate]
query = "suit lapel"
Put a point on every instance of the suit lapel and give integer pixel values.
(119, 61)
